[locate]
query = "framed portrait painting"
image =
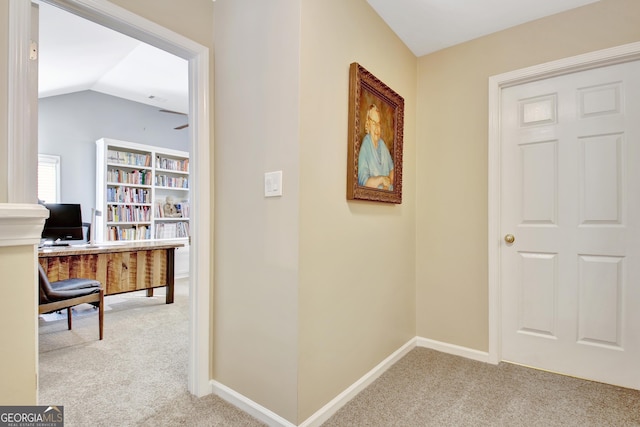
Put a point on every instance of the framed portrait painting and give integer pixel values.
(376, 123)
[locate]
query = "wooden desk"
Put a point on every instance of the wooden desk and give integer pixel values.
(121, 267)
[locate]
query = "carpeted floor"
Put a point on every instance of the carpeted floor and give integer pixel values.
(137, 376)
(429, 388)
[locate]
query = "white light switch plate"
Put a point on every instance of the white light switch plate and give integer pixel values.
(273, 184)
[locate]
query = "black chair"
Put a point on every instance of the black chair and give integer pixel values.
(55, 296)
(87, 236)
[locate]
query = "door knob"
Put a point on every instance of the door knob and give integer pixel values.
(509, 238)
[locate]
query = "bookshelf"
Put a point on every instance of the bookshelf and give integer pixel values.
(142, 192)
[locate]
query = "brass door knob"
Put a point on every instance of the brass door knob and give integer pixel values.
(509, 238)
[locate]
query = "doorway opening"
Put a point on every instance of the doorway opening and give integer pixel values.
(20, 143)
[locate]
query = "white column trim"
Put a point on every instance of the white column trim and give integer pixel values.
(21, 224)
(20, 111)
(200, 303)
(615, 55)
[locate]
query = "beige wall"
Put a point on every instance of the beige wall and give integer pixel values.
(190, 18)
(256, 238)
(452, 286)
(18, 319)
(311, 291)
(357, 262)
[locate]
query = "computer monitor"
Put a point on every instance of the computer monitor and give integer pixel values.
(64, 222)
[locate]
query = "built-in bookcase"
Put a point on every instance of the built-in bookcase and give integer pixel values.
(134, 182)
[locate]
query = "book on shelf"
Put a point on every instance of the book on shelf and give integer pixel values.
(135, 182)
(128, 213)
(172, 230)
(172, 181)
(181, 165)
(179, 210)
(128, 158)
(184, 209)
(140, 232)
(121, 194)
(136, 177)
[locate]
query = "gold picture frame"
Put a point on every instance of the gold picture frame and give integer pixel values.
(376, 112)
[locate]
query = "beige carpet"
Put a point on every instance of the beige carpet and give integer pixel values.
(428, 388)
(137, 376)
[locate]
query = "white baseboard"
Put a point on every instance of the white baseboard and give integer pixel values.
(469, 353)
(323, 414)
(249, 406)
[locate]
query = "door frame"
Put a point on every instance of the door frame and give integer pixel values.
(601, 58)
(20, 119)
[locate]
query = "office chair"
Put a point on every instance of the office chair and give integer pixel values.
(87, 225)
(55, 296)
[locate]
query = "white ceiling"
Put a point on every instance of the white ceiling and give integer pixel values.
(77, 55)
(426, 26)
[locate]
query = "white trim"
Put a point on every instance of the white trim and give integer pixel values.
(120, 19)
(615, 55)
(247, 405)
(21, 223)
(49, 159)
(20, 111)
(456, 350)
(200, 304)
(323, 414)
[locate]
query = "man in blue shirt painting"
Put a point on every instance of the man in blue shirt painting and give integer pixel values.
(375, 165)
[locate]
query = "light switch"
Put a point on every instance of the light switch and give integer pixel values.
(273, 184)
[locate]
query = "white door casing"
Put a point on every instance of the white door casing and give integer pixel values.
(619, 54)
(22, 151)
(571, 196)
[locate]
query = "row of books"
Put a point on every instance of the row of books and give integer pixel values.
(139, 177)
(172, 181)
(127, 158)
(141, 232)
(128, 195)
(182, 210)
(128, 213)
(172, 230)
(172, 164)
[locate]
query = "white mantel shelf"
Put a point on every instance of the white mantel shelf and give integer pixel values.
(21, 223)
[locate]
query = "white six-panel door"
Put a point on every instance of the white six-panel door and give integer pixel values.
(570, 174)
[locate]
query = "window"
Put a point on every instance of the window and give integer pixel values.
(48, 178)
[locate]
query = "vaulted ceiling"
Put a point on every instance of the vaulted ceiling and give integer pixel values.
(76, 54)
